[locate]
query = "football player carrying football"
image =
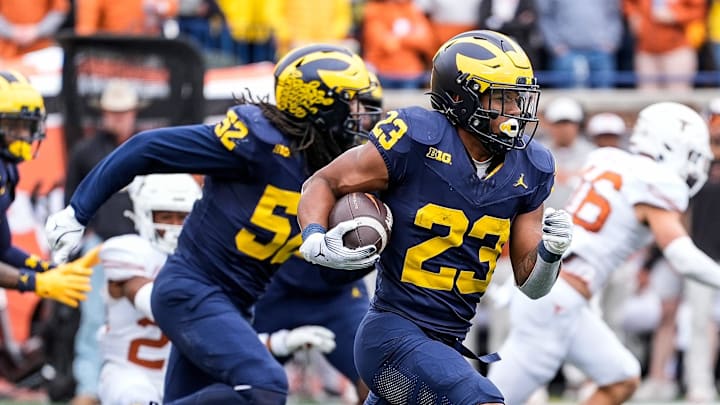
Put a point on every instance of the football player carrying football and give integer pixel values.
(461, 181)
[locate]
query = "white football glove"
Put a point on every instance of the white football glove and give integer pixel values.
(64, 234)
(327, 249)
(286, 342)
(557, 230)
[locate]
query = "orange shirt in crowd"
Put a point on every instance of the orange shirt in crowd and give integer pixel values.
(445, 31)
(138, 17)
(24, 12)
(398, 38)
(654, 36)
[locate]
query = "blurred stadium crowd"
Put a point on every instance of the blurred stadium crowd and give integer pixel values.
(616, 43)
(650, 45)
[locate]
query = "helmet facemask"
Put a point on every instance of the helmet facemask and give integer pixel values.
(360, 118)
(498, 98)
(165, 235)
(150, 225)
(21, 134)
(22, 117)
(697, 168)
(158, 201)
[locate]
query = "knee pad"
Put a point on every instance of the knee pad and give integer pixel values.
(221, 394)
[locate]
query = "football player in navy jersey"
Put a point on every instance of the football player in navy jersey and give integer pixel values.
(461, 181)
(301, 295)
(22, 128)
(244, 226)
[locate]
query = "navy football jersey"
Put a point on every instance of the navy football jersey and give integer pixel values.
(449, 224)
(9, 254)
(244, 226)
(302, 276)
(8, 182)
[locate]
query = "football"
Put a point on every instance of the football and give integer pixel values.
(375, 216)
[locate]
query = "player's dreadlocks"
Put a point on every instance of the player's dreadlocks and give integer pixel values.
(317, 147)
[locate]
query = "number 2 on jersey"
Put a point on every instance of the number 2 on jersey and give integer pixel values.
(230, 129)
(587, 206)
(457, 223)
(136, 344)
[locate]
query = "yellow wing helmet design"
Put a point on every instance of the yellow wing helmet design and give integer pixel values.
(476, 63)
(22, 117)
(317, 83)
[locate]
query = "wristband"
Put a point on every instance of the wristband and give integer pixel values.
(547, 255)
(311, 229)
(35, 263)
(26, 281)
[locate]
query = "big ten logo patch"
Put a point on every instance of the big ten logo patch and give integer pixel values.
(440, 156)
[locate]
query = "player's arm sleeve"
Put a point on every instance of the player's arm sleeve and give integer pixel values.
(77, 168)
(16, 257)
(142, 300)
(9, 254)
(688, 260)
(544, 274)
(188, 149)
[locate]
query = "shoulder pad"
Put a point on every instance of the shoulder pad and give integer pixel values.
(124, 257)
(540, 157)
(258, 126)
(657, 186)
(425, 126)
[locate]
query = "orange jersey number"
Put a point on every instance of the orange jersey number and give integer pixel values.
(133, 353)
(587, 194)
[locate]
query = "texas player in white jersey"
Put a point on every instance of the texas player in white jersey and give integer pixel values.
(625, 201)
(134, 348)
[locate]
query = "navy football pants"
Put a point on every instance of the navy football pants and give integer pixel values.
(212, 340)
(402, 365)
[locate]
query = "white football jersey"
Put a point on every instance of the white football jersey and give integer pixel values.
(129, 338)
(606, 229)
